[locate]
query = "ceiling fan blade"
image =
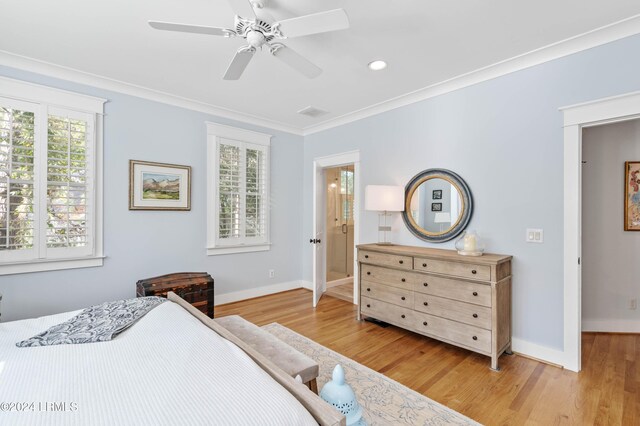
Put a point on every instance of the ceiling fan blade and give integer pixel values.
(242, 8)
(188, 28)
(322, 22)
(238, 64)
(297, 62)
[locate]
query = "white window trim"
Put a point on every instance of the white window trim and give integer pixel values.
(215, 132)
(51, 97)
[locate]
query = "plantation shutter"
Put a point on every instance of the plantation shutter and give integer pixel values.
(69, 182)
(18, 227)
(242, 183)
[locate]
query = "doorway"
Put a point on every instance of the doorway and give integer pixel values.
(335, 225)
(576, 118)
(339, 182)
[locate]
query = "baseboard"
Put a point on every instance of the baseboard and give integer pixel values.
(538, 352)
(236, 296)
(341, 281)
(611, 326)
(307, 284)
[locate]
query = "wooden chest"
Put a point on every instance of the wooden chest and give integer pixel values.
(194, 287)
(464, 301)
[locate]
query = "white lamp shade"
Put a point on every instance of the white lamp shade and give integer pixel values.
(442, 217)
(382, 198)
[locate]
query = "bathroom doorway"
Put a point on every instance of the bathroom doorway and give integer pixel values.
(339, 184)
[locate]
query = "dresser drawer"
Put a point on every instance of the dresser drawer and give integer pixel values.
(480, 316)
(385, 293)
(464, 270)
(404, 317)
(403, 262)
(465, 291)
(388, 276)
(455, 332)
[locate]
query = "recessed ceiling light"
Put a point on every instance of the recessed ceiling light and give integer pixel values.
(377, 65)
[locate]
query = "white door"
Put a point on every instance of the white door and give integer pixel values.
(318, 241)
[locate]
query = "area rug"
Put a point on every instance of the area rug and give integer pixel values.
(384, 401)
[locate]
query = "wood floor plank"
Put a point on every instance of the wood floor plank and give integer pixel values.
(524, 392)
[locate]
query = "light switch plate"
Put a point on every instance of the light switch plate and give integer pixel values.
(534, 235)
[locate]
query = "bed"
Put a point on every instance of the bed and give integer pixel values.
(174, 366)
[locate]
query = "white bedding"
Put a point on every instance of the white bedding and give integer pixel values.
(167, 369)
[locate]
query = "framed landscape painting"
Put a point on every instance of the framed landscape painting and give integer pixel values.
(159, 186)
(632, 196)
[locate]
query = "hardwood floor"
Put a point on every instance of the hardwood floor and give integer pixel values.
(606, 392)
(343, 292)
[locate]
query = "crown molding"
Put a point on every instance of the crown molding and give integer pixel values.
(65, 73)
(599, 36)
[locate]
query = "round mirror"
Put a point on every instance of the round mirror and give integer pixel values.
(438, 205)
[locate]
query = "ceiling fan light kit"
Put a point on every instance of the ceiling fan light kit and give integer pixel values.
(258, 33)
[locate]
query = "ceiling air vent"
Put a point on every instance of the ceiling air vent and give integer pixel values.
(312, 112)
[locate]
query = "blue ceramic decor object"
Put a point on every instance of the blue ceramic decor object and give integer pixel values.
(341, 396)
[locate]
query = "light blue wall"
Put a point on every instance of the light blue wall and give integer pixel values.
(504, 137)
(141, 244)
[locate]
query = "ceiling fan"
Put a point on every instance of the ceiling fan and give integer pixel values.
(258, 33)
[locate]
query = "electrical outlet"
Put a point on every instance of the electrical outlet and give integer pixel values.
(272, 273)
(535, 236)
(633, 304)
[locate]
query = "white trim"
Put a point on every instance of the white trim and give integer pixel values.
(611, 326)
(340, 281)
(215, 251)
(336, 160)
(238, 134)
(65, 73)
(577, 117)
(236, 296)
(599, 36)
(50, 265)
(39, 94)
(543, 353)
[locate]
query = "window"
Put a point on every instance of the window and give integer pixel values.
(49, 185)
(238, 190)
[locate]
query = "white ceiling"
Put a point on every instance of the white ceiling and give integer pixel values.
(424, 41)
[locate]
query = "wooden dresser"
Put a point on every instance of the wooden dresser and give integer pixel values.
(461, 300)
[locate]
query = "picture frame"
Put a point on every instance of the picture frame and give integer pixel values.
(632, 196)
(159, 186)
(436, 207)
(437, 194)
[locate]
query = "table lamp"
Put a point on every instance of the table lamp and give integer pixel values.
(442, 217)
(384, 199)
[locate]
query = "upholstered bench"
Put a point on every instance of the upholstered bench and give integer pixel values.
(284, 356)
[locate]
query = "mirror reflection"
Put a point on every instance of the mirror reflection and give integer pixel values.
(436, 205)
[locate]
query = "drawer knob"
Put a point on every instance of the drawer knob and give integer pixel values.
(368, 289)
(368, 305)
(426, 284)
(403, 280)
(473, 271)
(366, 256)
(475, 315)
(401, 262)
(368, 272)
(403, 298)
(424, 323)
(475, 337)
(426, 303)
(402, 315)
(475, 293)
(424, 265)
